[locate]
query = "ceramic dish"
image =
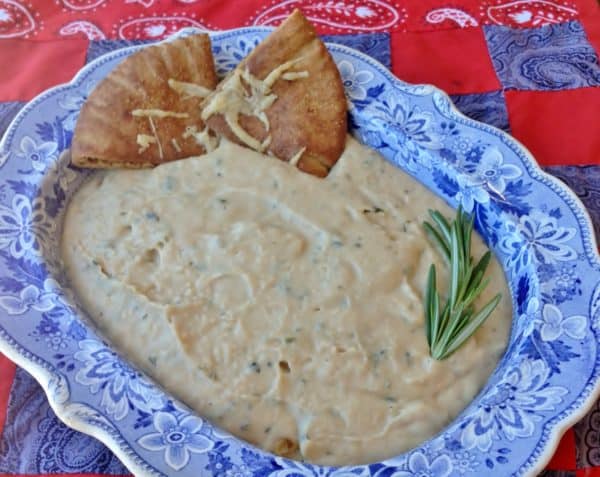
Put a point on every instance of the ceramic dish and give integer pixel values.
(541, 233)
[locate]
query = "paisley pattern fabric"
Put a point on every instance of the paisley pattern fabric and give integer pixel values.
(553, 57)
(486, 107)
(585, 182)
(587, 436)
(8, 111)
(376, 45)
(98, 48)
(35, 441)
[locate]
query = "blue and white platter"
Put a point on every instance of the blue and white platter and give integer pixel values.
(545, 382)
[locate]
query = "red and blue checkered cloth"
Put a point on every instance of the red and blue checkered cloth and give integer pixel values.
(529, 67)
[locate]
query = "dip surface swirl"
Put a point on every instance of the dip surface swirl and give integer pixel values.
(285, 308)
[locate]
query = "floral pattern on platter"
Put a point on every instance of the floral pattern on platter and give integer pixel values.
(513, 409)
(354, 81)
(178, 437)
(25, 226)
(29, 297)
(537, 237)
(418, 465)
(554, 324)
(228, 55)
(489, 171)
(38, 154)
(533, 224)
(72, 103)
(122, 387)
(393, 123)
(463, 167)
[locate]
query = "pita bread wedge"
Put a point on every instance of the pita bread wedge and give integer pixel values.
(286, 98)
(147, 110)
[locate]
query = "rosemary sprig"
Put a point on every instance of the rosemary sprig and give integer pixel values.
(448, 327)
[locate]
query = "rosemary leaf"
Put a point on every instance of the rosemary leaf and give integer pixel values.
(439, 241)
(442, 223)
(455, 260)
(447, 327)
(480, 268)
(473, 324)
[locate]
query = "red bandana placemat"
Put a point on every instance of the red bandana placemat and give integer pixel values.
(527, 66)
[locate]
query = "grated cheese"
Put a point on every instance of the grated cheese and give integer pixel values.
(189, 89)
(296, 157)
(203, 138)
(158, 113)
(160, 149)
(243, 93)
(144, 141)
(176, 144)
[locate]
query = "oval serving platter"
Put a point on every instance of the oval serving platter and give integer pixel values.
(545, 382)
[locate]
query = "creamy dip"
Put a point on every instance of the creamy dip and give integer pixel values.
(285, 308)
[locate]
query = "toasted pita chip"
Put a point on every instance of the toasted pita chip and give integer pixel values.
(286, 98)
(147, 110)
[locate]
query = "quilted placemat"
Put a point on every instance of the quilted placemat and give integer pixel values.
(528, 67)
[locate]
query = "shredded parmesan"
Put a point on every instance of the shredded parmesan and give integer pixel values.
(266, 143)
(158, 113)
(160, 149)
(274, 75)
(260, 98)
(176, 144)
(243, 93)
(294, 75)
(144, 141)
(296, 157)
(189, 89)
(241, 133)
(203, 138)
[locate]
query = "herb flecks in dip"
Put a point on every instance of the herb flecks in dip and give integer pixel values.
(285, 308)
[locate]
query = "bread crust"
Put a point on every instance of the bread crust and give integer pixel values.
(309, 113)
(106, 133)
